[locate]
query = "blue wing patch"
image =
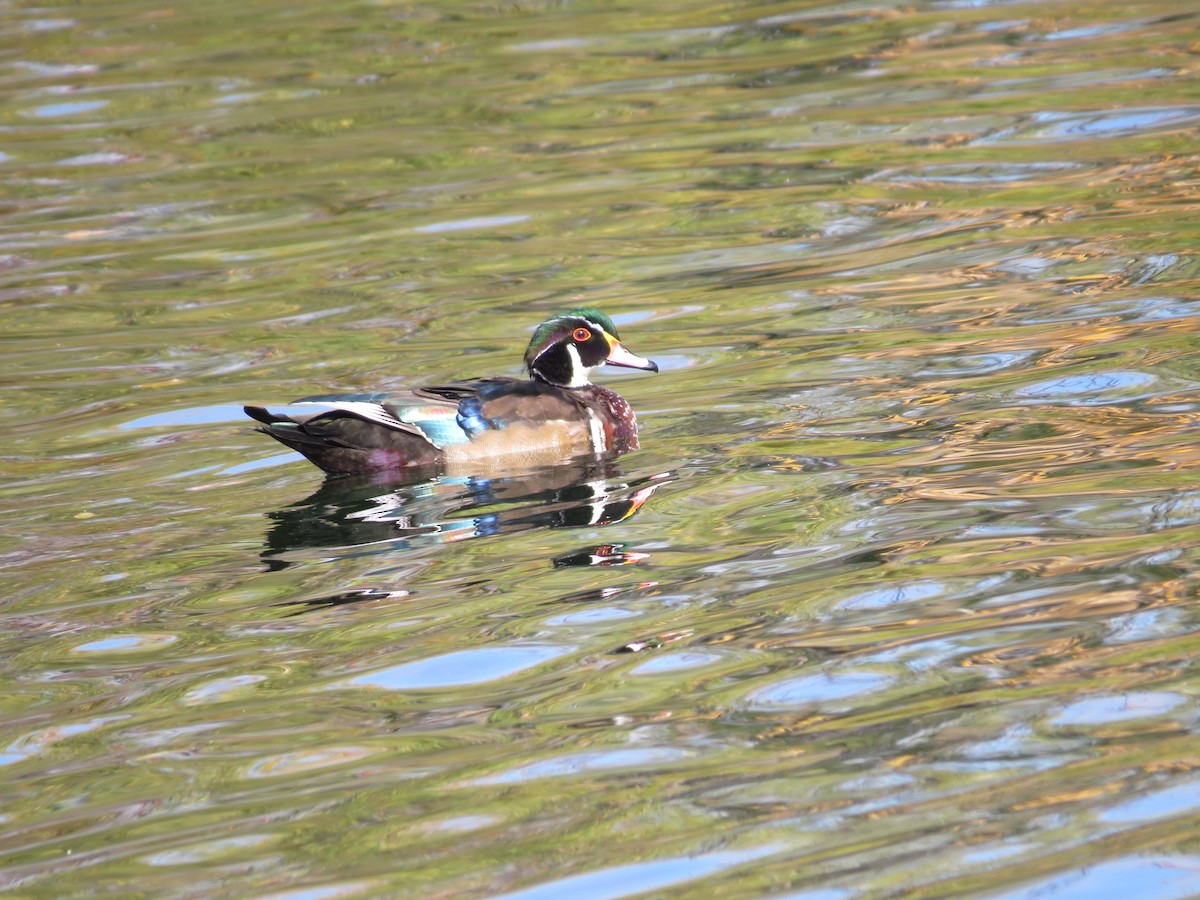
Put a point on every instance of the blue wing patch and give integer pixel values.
(439, 423)
(470, 417)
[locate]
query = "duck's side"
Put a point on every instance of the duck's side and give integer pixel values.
(480, 426)
(494, 425)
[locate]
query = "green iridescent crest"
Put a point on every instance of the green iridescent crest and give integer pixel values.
(594, 315)
(545, 333)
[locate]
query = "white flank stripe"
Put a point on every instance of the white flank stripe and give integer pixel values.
(596, 427)
(372, 412)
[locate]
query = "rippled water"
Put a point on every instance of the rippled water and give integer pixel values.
(898, 598)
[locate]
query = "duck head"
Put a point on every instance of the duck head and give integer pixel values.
(566, 348)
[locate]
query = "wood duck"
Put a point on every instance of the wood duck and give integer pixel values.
(482, 425)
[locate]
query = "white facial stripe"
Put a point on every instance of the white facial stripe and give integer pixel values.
(563, 320)
(566, 320)
(579, 372)
(540, 352)
(547, 346)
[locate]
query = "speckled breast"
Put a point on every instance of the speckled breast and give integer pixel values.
(620, 424)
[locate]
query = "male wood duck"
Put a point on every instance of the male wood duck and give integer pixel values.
(481, 425)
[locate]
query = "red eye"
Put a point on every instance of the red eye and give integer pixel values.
(582, 335)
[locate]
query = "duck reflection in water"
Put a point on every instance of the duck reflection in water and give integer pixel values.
(414, 509)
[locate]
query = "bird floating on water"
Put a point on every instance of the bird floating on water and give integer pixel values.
(480, 425)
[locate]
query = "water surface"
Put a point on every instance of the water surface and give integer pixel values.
(898, 598)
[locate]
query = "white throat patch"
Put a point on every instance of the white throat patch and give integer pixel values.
(579, 372)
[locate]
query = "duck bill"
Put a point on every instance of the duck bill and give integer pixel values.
(619, 356)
